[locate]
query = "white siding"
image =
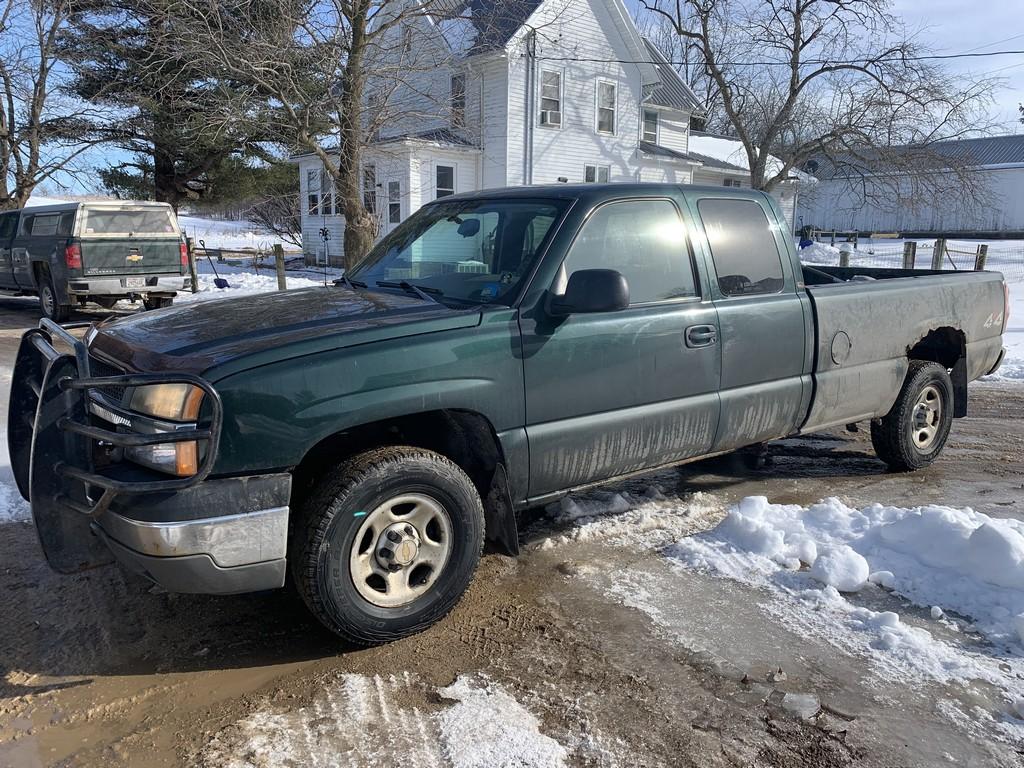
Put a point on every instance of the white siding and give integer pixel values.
(674, 130)
(426, 162)
(664, 173)
(580, 29)
(491, 98)
(833, 204)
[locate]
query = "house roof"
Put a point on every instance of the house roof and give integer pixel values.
(436, 136)
(690, 157)
(671, 91)
(496, 21)
(986, 151)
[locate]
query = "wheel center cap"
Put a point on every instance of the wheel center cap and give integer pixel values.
(398, 546)
(405, 552)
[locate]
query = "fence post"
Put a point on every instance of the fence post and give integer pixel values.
(981, 258)
(939, 253)
(282, 285)
(191, 247)
(845, 249)
(909, 254)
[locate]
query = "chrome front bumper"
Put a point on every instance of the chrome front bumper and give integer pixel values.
(215, 555)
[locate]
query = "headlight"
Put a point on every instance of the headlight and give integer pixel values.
(173, 402)
(176, 402)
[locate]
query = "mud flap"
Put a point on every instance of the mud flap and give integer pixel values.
(64, 533)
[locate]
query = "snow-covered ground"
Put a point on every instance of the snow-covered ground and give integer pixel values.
(392, 721)
(928, 595)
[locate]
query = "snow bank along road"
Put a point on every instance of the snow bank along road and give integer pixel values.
(815, 612)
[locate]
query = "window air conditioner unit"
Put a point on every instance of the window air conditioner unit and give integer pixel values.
(550, 117)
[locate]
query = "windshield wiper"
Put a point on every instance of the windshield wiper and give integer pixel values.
(352, 284)
(423, 293)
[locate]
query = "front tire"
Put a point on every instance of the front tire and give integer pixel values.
(912, 435)
(387, 545)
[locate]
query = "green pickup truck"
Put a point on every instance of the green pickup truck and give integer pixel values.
(494, 352)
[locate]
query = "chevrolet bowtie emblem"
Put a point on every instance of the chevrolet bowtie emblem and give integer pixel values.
(134, 257)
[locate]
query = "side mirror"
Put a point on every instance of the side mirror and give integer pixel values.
(592, 290)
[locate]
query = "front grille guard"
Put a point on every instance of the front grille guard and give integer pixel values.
(61, 380)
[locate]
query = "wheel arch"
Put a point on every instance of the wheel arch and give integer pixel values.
(946, 346)
(466, 437)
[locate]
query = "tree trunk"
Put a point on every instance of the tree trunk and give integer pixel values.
(165, 189)
(359, 224)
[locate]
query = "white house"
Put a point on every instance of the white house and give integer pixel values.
(848, 197)
(531, 92)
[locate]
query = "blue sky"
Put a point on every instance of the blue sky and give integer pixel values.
(957, 26)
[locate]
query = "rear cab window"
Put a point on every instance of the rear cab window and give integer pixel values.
(645, 241)
(8, 225)
(743, 246)
(130, 223)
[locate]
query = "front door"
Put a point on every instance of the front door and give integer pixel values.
(617, 392)
(763, 320)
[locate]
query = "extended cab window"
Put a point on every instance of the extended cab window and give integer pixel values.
(645, 240)
(45, 224)
(743, 246)
(8, 223)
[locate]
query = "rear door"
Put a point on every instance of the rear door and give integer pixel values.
(764, 321)
(611, 393)
(41, 238)
(129, 241)
(8, 227)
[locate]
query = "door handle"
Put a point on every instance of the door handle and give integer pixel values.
(701, 335)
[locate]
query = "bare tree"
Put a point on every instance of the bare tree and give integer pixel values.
(332, 73)
(279, 214)
(43, 130)
(835, 81)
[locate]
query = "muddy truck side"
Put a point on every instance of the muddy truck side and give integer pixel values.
(496, 351)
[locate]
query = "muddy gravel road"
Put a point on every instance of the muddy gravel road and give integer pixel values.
(588, 649)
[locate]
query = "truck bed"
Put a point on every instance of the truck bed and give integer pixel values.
(869, 321)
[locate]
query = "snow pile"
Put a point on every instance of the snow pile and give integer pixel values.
(241, 284)
(488, 728)
(647, 520)
(13, 508)
(819, 253)
(937, 557)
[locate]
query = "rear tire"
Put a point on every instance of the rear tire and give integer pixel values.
(387, 544)
(912, 435)
(157, 302)
(48, 301)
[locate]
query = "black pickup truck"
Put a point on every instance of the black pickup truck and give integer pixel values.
(494, 352)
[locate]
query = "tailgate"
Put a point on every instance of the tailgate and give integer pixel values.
(130, 255)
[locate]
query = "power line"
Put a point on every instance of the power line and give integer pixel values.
(823, 62)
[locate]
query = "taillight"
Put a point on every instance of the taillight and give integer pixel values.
(73, 255)
(184, 255)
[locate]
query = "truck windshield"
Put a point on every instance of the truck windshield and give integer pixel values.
(477, 251)
(152, 221)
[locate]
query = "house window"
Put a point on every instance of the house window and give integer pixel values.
(328, 193)
(650, 126)
(596, 173)
(370, 188)
(394, 202)
(444, 180)
(551, 99)
(731, 182)
(606, 106)
(313, 191)
(406, 38)
(458, 97)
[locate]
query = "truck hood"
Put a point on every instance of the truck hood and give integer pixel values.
(198, 336)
